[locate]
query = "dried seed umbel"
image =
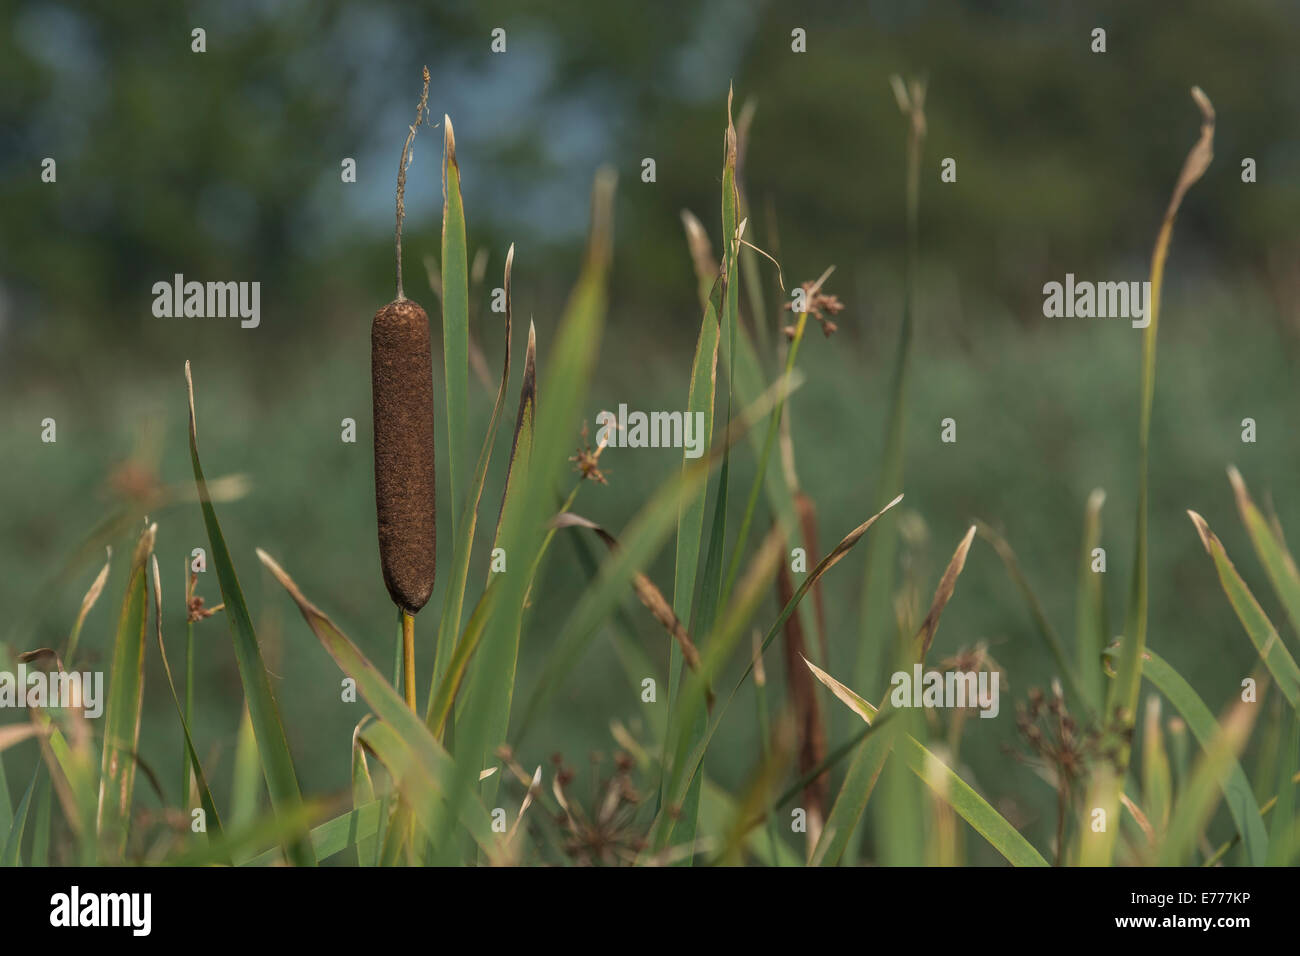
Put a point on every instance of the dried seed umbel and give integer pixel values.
(401, 369)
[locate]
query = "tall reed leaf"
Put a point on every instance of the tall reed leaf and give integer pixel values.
(1237, 792)
(401, 742)
(1201, 794)
(644, 536)
(1283, 834)
(1125, 689)
(213, 821)
(937, 775)
(1262, 634)
(878, 580)
(455, 323)
(272, 745)
(1090, 633)
(125, 701)
(454, 598)
(523, 529)
(1123, 698)
(1065, 667)
(11, 849)
(1271, 549)
(716, 647)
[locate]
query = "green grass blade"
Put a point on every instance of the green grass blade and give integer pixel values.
(423, 783)
(717, 647)
(1123, 699)
(355, 828)
(454, 599)
(6, 805)
(726, 308)
(11, 854)
(363, 794)
(523, 522)
(1282, 836)
(690, 516)
(937, 775)
(878, 626)
(1204, 788)
(769, 443)
(87, 602)
(187, 712)
(1065, 667)
(448, 679)
(701, 397)
(969, 805)
(402, 742)
(442, 699)
(250, 843)
(710, 595)
(1091, 635)
(44, 801)
(246, 778)
(642, 540)
(1157, 775)
(718, 808)
(1271, 549)
(125, 701)
(1237, 793)
(213, 822)
(455, 324)
(73, 770)
(521, 445)
(1262, 634)
(272, 745)
(851, 801)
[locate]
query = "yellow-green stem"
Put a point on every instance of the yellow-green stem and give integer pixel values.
(408, 657)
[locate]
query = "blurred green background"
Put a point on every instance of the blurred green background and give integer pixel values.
(226, 166)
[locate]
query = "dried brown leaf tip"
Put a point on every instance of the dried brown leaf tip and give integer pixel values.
(194, 608)
(819, 305)
(587, 462)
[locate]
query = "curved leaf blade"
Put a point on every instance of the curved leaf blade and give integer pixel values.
(272, 745)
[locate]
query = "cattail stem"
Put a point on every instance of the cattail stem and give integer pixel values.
(401, 179)
(408, 657)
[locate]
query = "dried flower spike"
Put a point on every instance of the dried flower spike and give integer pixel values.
(401, 370)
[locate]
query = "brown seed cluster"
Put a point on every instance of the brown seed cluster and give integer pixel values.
(819, 306)
(587, 462)
(604, 832)
(401, 368)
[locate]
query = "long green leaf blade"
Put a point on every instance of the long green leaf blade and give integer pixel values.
(1237, 792)
(125, 700)
(404, 745)
(272, 745)
(213, 822)
(1272, 550)
(455, 323)
(1260, 629)
(454, 599)
(11, 854)
(522, 532)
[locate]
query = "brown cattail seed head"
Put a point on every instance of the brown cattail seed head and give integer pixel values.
(401, 371)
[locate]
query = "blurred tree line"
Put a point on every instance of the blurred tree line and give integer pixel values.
(226, 164)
